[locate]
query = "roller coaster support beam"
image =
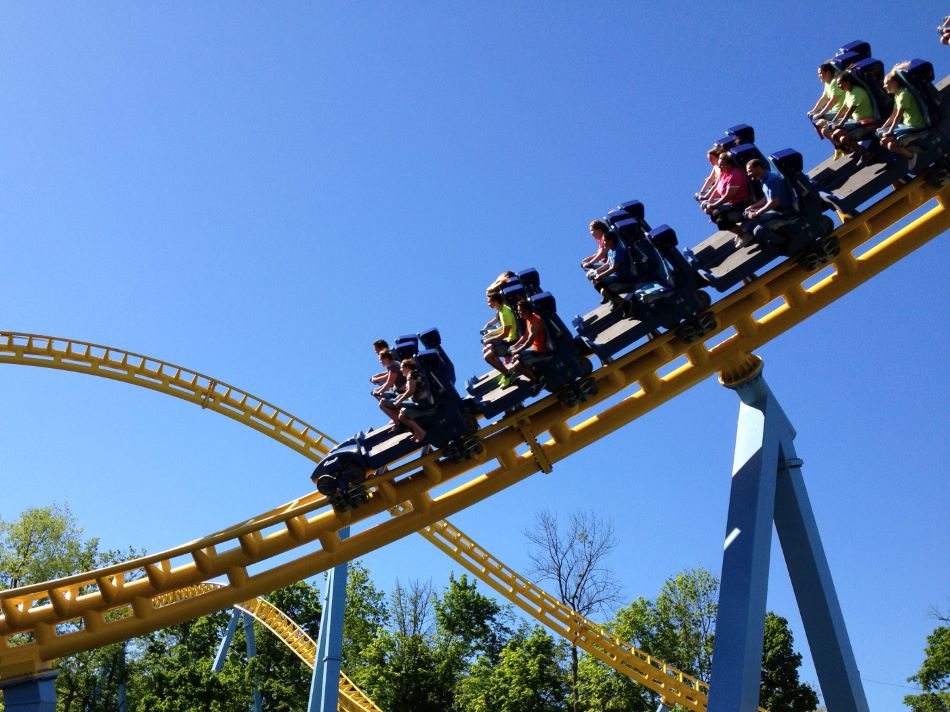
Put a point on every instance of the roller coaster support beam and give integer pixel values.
(237, 615)
(222, 653)
(252, 652)
(767, 487)
(31, 693)
(324, 686)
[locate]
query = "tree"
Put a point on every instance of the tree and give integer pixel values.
(474, 622)
(364, 617)
(781, 690)
(574, 561)
(44, 543)
(407, 669)
(282, 677)
(679, 626)
(173, 672)
(934, 674)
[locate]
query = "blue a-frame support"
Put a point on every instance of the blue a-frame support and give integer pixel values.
(238, 615)
(767, 488)
(325, 684)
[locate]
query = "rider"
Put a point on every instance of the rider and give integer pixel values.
(498, 342)
(532, 346)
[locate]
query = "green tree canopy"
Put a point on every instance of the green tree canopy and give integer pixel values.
(934, 674)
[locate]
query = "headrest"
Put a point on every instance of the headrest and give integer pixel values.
(629, 229)
(869, 69)
(430, 338)
(530, 278)
(429, 359)
(614, 215)
(727, 141)
(919, 71)
(743, 132)
(633, 208)
(744, 153)
(663, 236)
(405, 347)
(846, 59)
(788, 161)
(544, 303)
(859, 47)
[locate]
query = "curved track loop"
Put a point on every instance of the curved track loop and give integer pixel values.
(655, 372)
(352, 699)
(168, 378)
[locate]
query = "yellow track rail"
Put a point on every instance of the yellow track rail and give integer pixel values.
(37, 610)
(167, 378)
(673, 686)
(352, 699)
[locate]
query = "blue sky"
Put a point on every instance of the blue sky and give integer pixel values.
(258, 191)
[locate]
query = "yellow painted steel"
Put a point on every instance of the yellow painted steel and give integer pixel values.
(28, 627)
(673, 686)
(352, 699)
(167, 378)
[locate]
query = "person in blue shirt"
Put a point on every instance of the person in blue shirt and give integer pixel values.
(777, 200)
(616, 276)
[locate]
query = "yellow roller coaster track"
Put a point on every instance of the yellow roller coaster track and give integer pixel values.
(673, 686)
(352, 699)
(655, 372)
(101, 360)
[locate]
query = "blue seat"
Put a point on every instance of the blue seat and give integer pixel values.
(858, 48)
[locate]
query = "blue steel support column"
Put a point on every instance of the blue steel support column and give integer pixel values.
(740, 623)
(226, 642)
(767, 486)
(120, 693)
(815, 591)
(325, 684)
(252, 652)
(32, 693)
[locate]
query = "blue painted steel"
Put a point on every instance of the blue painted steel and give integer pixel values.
(663, 708)
(767, 486)
(226, 642)
(33, 693)
(815, 592)
(740, 624)
(325, 684)
(251, 652)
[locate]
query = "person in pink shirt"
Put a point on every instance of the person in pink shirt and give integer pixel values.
(729, 196)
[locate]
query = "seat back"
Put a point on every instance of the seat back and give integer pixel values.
(432, 339)
(558, 338)
(629, 231)
(530, 280)
(433, 367)
(845, 60)
(405, 347)
(744, 132)
(677, 271)
(790, 164)
(918, 77)
(869, 74)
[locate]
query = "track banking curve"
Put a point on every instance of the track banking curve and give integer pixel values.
(653, 373)
(352, 699)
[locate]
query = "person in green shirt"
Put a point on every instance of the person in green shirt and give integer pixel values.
(906, 123)
(854, 120)
(498, 342)
(831, 99)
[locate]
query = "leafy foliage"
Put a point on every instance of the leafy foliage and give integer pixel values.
(529, 677)
(934, 673)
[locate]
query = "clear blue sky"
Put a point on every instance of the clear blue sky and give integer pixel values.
(257, 191)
